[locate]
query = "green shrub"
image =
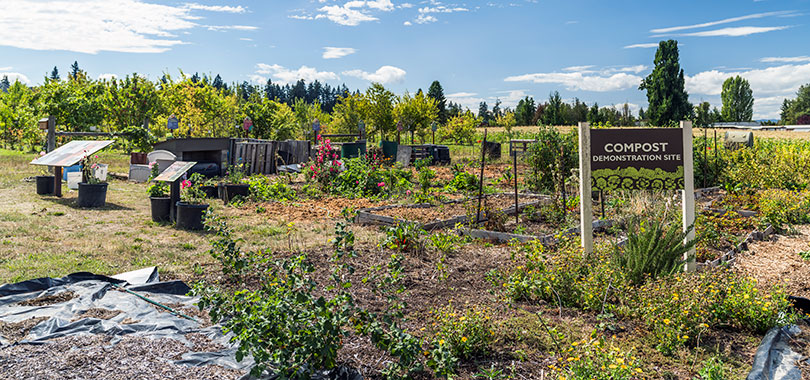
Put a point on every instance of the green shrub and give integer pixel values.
(466, 332)
(551, 159)
(653, 249)
(263, 188)
(595, 358)
(712, 370)
(404, 237)
(362, 177)
(462, 180)
(783, 208)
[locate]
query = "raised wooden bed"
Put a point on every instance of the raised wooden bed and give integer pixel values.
(547, 240)
(373, 215)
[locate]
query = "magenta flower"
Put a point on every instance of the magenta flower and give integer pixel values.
(185, 184)
(381, 184)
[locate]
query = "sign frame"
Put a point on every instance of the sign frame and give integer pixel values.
(688, 191)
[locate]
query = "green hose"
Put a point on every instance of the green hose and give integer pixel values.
(172, 311)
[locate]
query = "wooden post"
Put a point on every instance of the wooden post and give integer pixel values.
(57, 181)
(705, 156)
(585, 212)
(517, 213)
(51, 144)
(174, 194)
(481, 181)
(688, 194)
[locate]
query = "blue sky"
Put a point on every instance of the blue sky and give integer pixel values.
(479, 50)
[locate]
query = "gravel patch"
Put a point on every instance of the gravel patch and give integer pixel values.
(16, 331)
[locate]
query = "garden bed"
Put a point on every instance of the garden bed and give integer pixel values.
(431, 217)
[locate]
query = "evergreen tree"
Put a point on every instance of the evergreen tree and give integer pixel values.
(4, 84)
(55, 74)
(483, 112)
(299, 91)
(524, 111)
(553, 113)
(593, 115)
(668, 101)
(217, 82)
(738, 100)
(74, 70)
(437, 93)
(496, 109)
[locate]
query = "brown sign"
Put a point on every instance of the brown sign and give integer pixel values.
(648, 158)
(71, 153)
(175, 171)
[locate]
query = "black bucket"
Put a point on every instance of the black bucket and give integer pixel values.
(45, 184)
(92, 195)
(161, 207)
(189, 216)
(228, 191)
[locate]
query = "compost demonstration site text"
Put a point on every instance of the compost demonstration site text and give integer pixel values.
(636, 157)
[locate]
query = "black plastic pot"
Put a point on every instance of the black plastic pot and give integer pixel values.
(161, 207)
(230, 190)
(190, 216)
(210, 191)
(44, 184)
(92, 195)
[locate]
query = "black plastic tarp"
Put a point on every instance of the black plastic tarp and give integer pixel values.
(96, 291)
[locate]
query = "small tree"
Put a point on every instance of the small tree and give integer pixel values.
(437, 93)
(738, 100)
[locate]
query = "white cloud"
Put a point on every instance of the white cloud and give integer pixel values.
(407, 23)
(285, 75)
(630, 69)
(425, 19)
(737, 31)
(643, 46)
(107, 76)
(337, 52)
(245, 39)
(217, 8)
(7, 68)
(578, 68)
(785, 59)
(426, 13)
(352, 13)
(405, 5)
(385, 74)
(720, 22)
(511, 99)
(584, 81)
(90, 26)
(768, 85)
(301, 17)
(217, 28)
(13, 77)
(469, 100)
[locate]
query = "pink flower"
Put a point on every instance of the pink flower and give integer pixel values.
(408, 192)
(42, 153)
(381, 184)
(96, 156)
(356, 182)
(152, 164)
(185, 184)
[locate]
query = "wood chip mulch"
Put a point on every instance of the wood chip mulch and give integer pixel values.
(777, 261)
(92, 357)
(49, 300)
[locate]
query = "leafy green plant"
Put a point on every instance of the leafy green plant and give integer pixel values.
(236, 173)
(462, 180)
(784, 208)
(158, 190)
(551, 159)
(89, 166)
(653, 249)
(263, 188)
(426, 177)
(467, 332)
(404, 237)
(600, 359)
(712, 370)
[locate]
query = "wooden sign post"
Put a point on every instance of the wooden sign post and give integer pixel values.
(688, 195)
(636, 159)
(174, 174)
(585, 214)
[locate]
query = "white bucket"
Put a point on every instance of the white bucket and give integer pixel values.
(73, 179)
(101, 172)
